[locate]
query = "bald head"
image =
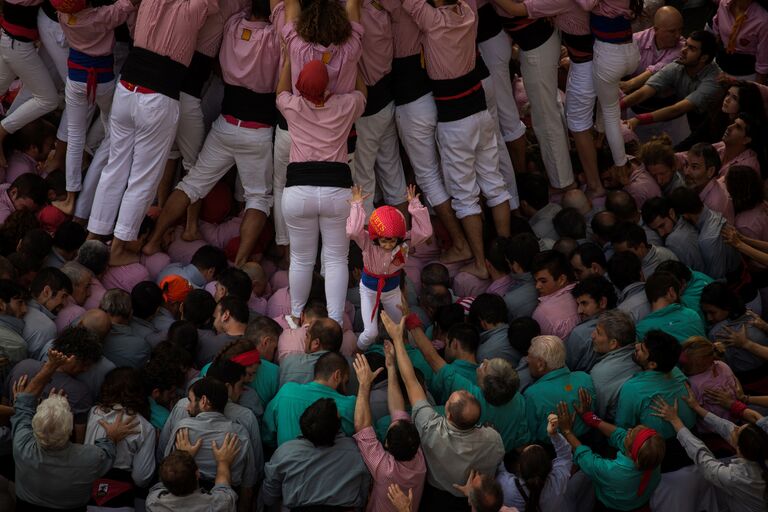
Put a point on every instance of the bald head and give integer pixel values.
(576, 198)
(667, 26)
(462, 409)
(96, 321)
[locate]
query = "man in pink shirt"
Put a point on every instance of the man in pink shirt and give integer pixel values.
(557, 312)
(27, 192)
(742, 30)
(293, 341)
(143, 122)
(736, 148)
(400, 460)
(701, 168)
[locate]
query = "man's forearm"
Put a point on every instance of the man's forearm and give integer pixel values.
(363, 417)
(638, 96)
(412, 386)
(39, 381)
(223, 475)
(395, 401)
(427, 349)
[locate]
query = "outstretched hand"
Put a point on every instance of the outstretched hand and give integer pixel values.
(394, 330)
(412, 194)
(358, 195)
(365, 376)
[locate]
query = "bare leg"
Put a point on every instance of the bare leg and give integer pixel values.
(459, 250)
(516, 150)
(191, 230)
(120, 255)
(173, 210)
(166, 182)
(250, 229)
(59, 157)
(585, 146)
(473, 227)
(501, 219)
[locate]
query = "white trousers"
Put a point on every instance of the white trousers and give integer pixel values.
(90, 182)
(469, 152)
(416, 123)
(19, 59)
(580, 95)
(389, 301)
(496, 53)
(505, 161)
(141, 129)
(190, 131)
(250, 149)
(539, 68)
(611, 63)
(80, 111)
(282, 151)
(377, 155)
(311, 212)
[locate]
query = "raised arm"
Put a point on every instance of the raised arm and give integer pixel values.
(421, 227)
(356, 220)
(395, 400)
(292, 10)
(512, 7)
(360, 85)
(415, 391)
(284, 82)
(365, 378)
(353, 10)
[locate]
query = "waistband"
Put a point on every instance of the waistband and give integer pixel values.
(610, 30)
(199, 71)
(579, 47)
(409, 79)
(736, 64)
(319, 174)
(247, 105)
(81, 64)
(20, 22)
(460, 97)
(153, 71)
(528, 33)
(379, 95)
(488, 23)
(371, 280)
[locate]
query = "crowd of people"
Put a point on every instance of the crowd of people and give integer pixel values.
(384, 255)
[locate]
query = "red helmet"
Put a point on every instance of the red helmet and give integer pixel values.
(386, 222)
(69, 6)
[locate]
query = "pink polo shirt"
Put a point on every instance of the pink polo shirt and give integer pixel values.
(405, 33)
(279, 304)
(319, 134)
(748, 158)
(378, 51)
(607, 8)
(557, 313)
(719, 376)
(170, 27)
(155, 263)
(641, 185)
(67, 315)
(652, 58)
(125, 277)
(385, 470)
(752, 38)
(6, 205)
(219, 235)
(20, 163)
(250, 54)
(97, 293)
(568, 16)
(291, 341)
(92, 30)
(468, 285)
(449, 34)
(716, 198)
(182, 251)
(754, 222)
(341, 60)
(257, 304)
(502, 285)
(209, 36)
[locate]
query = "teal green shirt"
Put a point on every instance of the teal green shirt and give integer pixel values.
(509, 420)
(691, 297)
(543, 396)
(281, 419)
(636, 397)
(464, 368)
(265, 382)
(158, 414)
(417, 359)
(616, 481)
(676, 320)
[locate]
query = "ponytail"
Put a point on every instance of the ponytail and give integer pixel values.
(535, 466)
(234, 348)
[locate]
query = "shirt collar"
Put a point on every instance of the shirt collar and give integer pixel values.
(36, 305)
(554, 374)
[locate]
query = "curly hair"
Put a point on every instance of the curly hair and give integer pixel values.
(79, 342)
(323, 22)
(125, 387)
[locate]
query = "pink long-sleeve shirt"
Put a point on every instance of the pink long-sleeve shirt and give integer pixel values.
(747, 157)
(569, 16)
(607, 8)
(652, 58)
(642, 186)
(170, 27)
(378, 47)
(557, 313)
(210, 34)
(92, 30)
(405, 33)
(752, 38)
(449, 36)
(250, 54)
(716, 198)
(376, 259)
(754, 222)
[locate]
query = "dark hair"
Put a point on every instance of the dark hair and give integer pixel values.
(596, 287)
(590, 253)
(449, 316)
(535, 466)
(208, 257)
(721, 296)
(234, 348)
(656, 207)
(178, 472)
(753, 446)
(659, 283)
(227, 372)
(328, 332)
(237, 283)
(466, 335)
(198, 308)
(636, 6)
(745, 187)
(10, 290)
(35, 245)
(183, 334)
(686, 200)
(57, 183)
(262, 326)
(316, 308)
(146, 299)
(570, 223)
(603, 224)
(162, 373)
(522, 249)
(15, 227)
(323, 22)
(489, 497)
(51, 277)
(260, 9)
(80, 342)
(631, 234)
(622, 204)
(677, 269)
(215, 391)
(320, 422)
(434, 296)
(624, 269)
(495, 254)
(488, 307)
(31, 186)
(69, 236)
(658, 150)
(708, 43)
(330, 362)
(125, 387)
(33, 134)
(533, 188)
(554, 262)
(402, 440)
(521, 331)
(663, 349)
(435, 273)
(710, 155)
(236, 307)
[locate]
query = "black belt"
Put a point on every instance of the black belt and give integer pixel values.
(319, 174)
(736, 64)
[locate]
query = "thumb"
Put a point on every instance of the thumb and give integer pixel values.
(377, 372)
(410, 494)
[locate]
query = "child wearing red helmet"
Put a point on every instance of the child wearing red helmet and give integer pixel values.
(384, 255)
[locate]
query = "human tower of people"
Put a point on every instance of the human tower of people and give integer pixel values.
(383, 255)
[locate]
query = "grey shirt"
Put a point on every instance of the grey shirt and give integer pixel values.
(450, 452)
(162, 321)
(188, 272)
(209, 344)
(124, 348)
(12, 343)
(39, 328)
(54, 259)
(221, 499)
(673, 80)
(55, 478)
(303, 474)
(608, 375)
(94, 376)
(654, 256)
(142, 328)
(299, 368)
(495, 343)
(579, 355)
(522, 298)
(632, 300)
(719, 257)
(739, 359)
(541, 221)
(684, 242)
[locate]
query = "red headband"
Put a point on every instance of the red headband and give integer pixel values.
(247, 358)
(638, 443)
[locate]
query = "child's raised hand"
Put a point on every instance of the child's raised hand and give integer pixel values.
(358, 195)
(412, 193)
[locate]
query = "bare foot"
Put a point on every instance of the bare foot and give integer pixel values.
(151, 247)
(118, 259)
(456, 255)
(476, 270)
(191, 233)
